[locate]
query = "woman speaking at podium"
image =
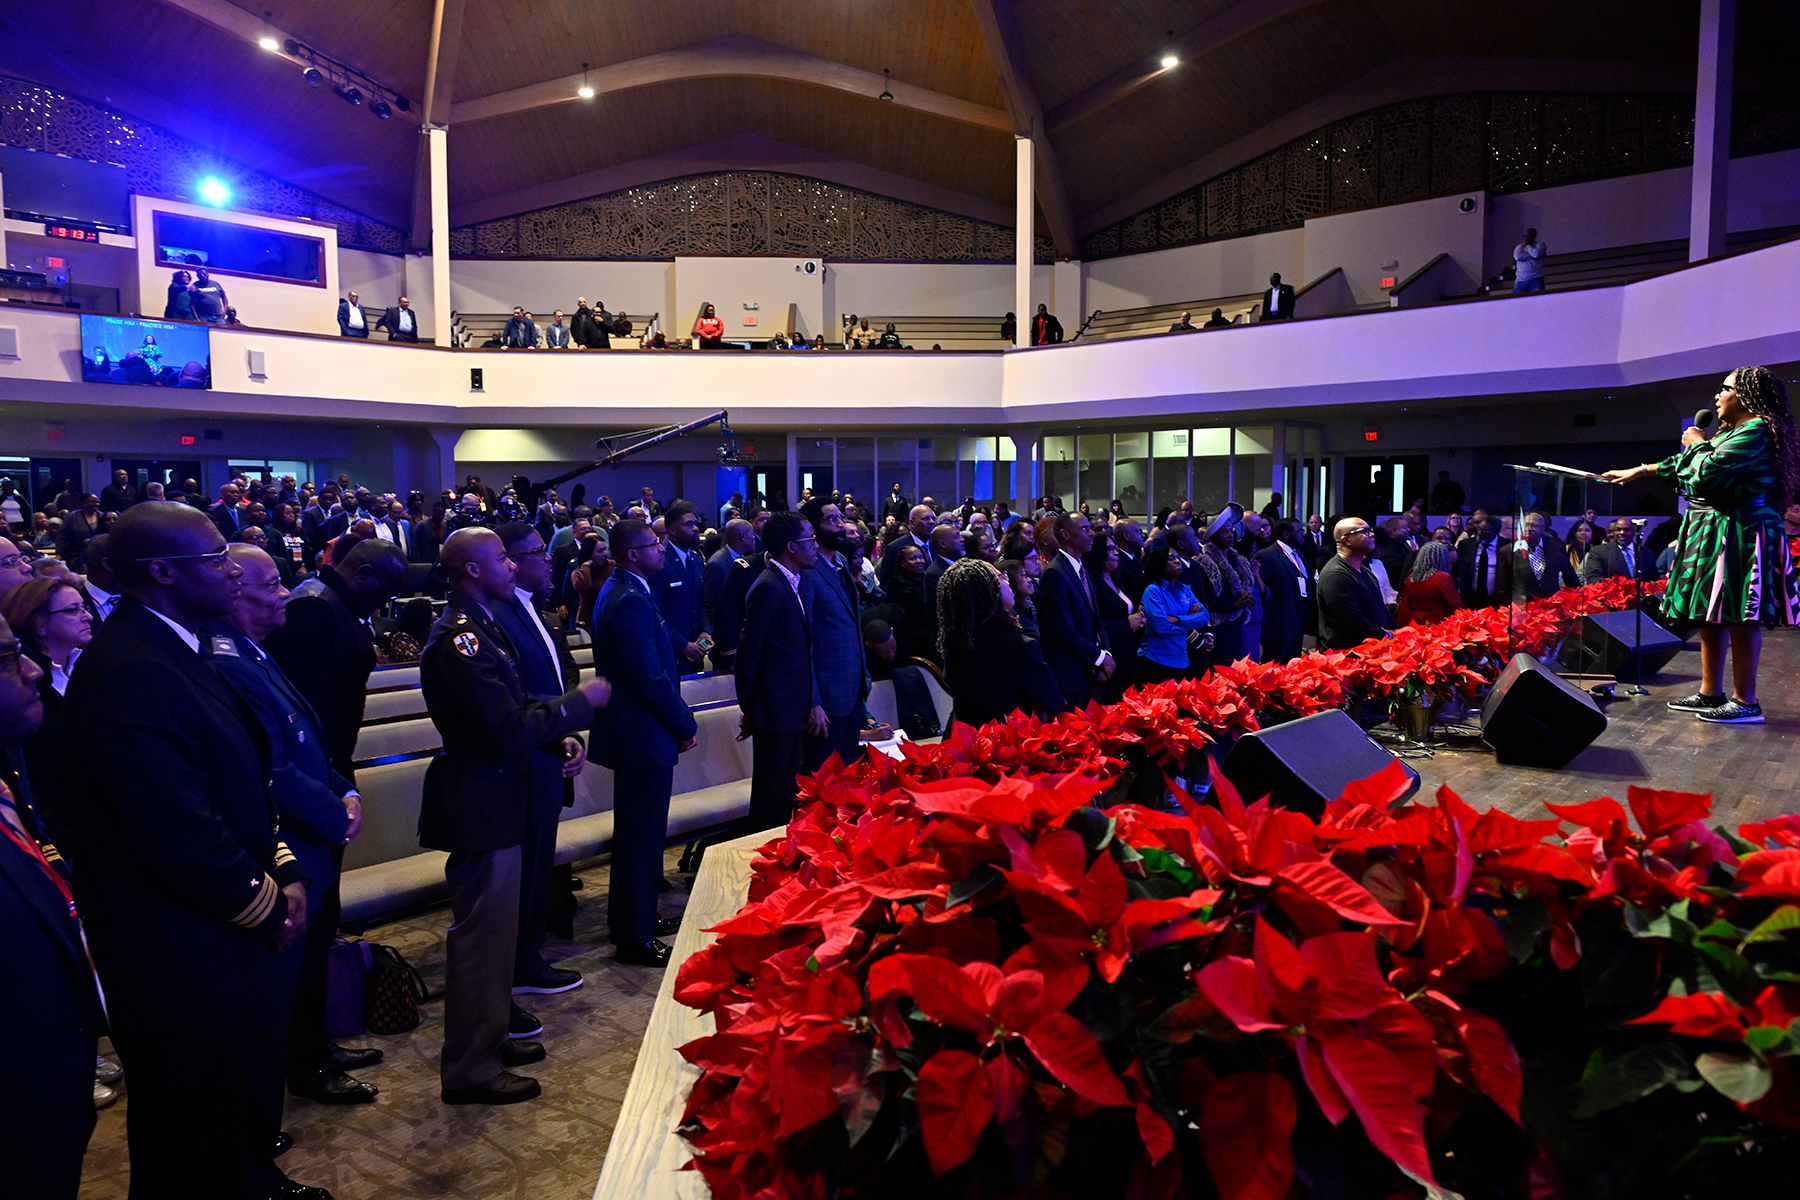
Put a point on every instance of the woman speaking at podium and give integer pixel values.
(1733, 571)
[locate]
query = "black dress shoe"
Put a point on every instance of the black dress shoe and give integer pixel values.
(504, 1088)
(547, 982)
(347, 1059)
(668, 926)
(645, 954)
(298, 1191)
(283, 1143)
(521, 1054)
(522, 1024)
(329, 1085)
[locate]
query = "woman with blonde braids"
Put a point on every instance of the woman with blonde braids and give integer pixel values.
(1733, 571)
(993, 670)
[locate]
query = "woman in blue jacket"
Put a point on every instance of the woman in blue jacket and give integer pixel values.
(1171, 613)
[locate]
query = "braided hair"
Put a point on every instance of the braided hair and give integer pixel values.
(967, 595)
(1761, 391)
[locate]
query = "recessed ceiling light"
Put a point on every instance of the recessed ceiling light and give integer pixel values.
(585, 91)
(1169, 60)
(269, 44)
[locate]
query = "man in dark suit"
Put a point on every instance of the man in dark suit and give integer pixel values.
(46, 986)
(1540, 565)
(118, 495)
(1278, 301)
(1350, 607)
(313, 521)
(775, 685)
(320, 812)
(477, 805)
(189, 896)
(351, 321)
(680, 587)
(226, 514)
(1074, 643)
(740, 537)
(896, 505)
(919, 523)
(1619, 556)
(834, 611)
(1484, 567)
(638, 736)
(548, 670)
(1291, 594)
(729, 623)
(1128, 536)
(944, 548)
(401, 322)
(326, 647)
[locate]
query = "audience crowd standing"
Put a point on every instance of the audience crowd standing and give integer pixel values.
(255, 616)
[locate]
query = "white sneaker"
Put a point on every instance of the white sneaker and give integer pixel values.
(107, 1072)
(103, 1095)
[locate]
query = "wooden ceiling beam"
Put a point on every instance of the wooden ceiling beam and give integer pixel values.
(1244, 17)
(440, 86)
(734, 55)
(1000, 31)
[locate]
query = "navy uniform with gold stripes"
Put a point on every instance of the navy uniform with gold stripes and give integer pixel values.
(179, 885)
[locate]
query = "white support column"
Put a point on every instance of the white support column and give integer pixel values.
(445, 438)
(1712, 129)
(438, 142)
(1025, 227)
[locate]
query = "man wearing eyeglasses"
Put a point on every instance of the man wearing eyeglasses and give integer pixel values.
(15, 565)
(638, 736)
(1350, 607)
(190, 897)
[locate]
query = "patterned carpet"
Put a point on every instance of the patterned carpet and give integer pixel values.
(408, 1144)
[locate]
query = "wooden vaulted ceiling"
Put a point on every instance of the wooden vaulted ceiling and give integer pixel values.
(1119, 130)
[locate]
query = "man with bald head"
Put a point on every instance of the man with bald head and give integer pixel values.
(1350, 607)
(919, 523)
(477, 807)
(740, 540)
(945, 548)
(190, 897)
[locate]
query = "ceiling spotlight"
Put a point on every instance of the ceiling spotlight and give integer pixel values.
(212, 190)
(1169, 60)
(584, 91)
(269, 44)
(313, 76)
(350, 94)
(402, 103)
(885, 93)
(380, 108)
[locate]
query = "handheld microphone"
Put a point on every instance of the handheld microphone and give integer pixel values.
(1705, 419)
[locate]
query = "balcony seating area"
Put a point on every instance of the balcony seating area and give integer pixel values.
(921, 333)
(1120, 324)
(474, 330)
(1626, 264)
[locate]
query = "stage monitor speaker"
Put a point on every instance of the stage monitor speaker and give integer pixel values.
(1534, 718)
(1609, 641)
(1302, 765)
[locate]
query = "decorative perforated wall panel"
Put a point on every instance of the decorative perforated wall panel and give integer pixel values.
(745, 212)
(1503, 142)
(162, 164)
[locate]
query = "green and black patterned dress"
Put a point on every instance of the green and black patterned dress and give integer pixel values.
(1732, 564)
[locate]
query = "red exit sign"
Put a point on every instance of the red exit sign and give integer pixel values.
(188, 440)
(1387, 281)
(1370, 435)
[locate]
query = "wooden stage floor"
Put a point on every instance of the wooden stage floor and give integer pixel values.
(408, 1145)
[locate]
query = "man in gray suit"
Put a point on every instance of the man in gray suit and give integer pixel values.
(1618, 557)
(834, 608)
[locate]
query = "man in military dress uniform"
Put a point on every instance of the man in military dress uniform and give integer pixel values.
(477, 807)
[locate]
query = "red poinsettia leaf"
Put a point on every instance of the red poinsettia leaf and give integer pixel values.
(1328, 885)
(1657, 811)
(938, 986)
(956, 1099)
(1319, 1080)
(1020, 1000)
(1247, 1135)
(1405, 1031)
(1496, 830)
(1493, 1060)
(807, 1096)
(1153, 1128)
(1773, 876)
(1349, 979)
(1232, 987)
(1417, 829)
(1597, 815)
(1378, 1088)
(1064, 974)
(1103, 891)
(1463, 944)
(1552, 861)
(1380, 790)
(1701, 1014)
(907, 880)
(1008, 1081)
(1069, 1052)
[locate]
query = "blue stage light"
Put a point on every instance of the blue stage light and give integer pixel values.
(212, 190)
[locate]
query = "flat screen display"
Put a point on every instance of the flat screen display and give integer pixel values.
(228, 248)
(132, 350)
(55, 187)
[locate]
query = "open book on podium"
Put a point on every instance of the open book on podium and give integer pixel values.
(1547, 468)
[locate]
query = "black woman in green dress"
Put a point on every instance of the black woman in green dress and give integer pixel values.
(1733, 571)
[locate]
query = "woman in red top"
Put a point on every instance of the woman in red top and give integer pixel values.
(1429, 595)
(709, 329)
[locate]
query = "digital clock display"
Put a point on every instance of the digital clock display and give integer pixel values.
(75, 233)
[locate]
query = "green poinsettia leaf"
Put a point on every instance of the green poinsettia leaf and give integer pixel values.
(1773, 926)
(1161, 862)
(1730, 972)
(1633, 1076)
(1722, 930)
(1739, 846)
(1743, 1079)
(1764, 1039)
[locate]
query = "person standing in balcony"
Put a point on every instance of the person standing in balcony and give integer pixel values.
(210, 304)
(1733, 571)
(1278, 301)
(401, 322)
(556, 334)
(709, 330)
(1529, 255)
(520, 333)
(1046, 330)
(180, 306)
(351, 322)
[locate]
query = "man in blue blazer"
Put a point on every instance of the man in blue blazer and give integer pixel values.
(47, 993)
(1292, 595)
(776, 686)
(679, 589)
(740, 540)
(638, 736)
(351, 321)
(834, 608)
(319, 809)
(1074, 642)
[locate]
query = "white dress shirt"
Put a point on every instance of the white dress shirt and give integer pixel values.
(537, 623)
(1293, 557)
(190, 638)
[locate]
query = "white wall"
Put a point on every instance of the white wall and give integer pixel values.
(1232, 267)
(927, 289)
(379, 280)
(496, 285)
(1763, 193)
(771, 284)
(261, 303)
(1410, 235)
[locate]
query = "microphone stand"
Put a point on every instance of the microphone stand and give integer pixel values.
(1637, 687)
